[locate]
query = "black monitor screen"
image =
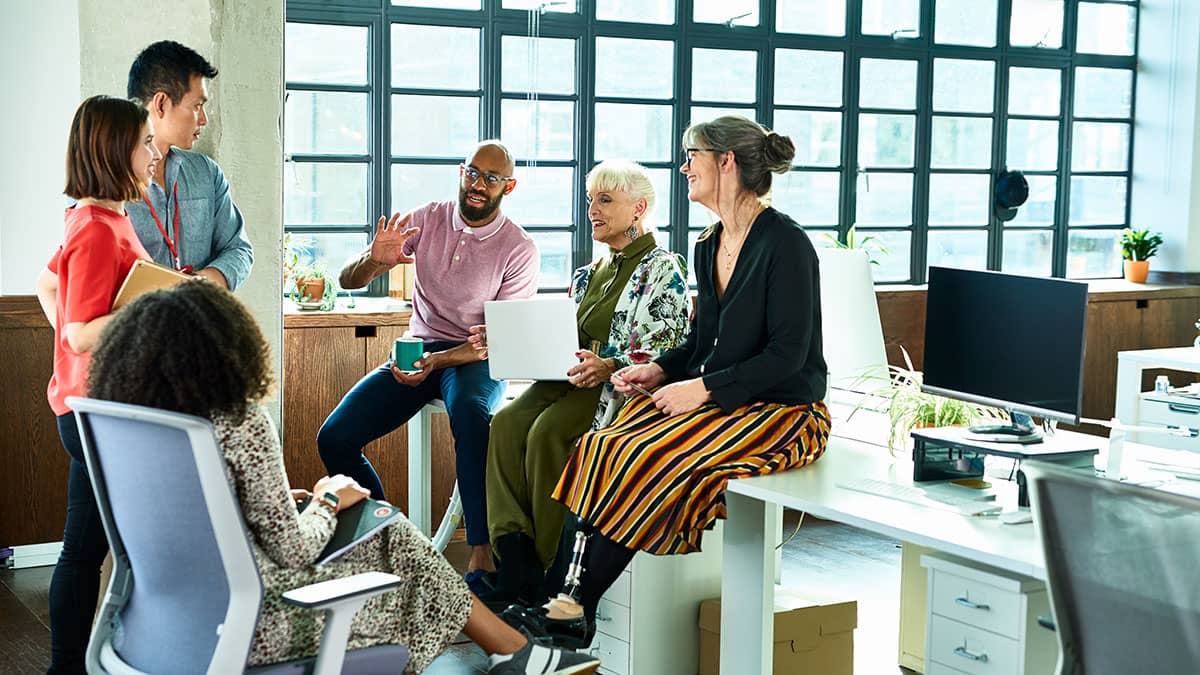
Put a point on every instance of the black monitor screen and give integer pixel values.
(1006, 340)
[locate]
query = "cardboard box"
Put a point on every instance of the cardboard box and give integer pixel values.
(813, 634)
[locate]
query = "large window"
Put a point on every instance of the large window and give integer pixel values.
(903, 112)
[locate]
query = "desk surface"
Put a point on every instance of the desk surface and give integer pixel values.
(816, 489)
(1182, 358)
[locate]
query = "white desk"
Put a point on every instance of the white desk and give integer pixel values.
(748, 568)
(1130, 365)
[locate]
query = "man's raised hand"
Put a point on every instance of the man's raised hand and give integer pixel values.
(387, 248)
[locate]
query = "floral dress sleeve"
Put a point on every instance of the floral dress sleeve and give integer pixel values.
(254, 458)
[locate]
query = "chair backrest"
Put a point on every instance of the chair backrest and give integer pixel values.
(185, 593)
(1121, 561)
(853, 336)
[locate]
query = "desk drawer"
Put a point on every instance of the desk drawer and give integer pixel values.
(613, 654)
(935, 668)
(971, 649)
(620, 591)
(1171, 413)
(612, 619)
(976, 603)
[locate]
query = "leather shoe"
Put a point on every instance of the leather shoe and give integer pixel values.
(574, 633)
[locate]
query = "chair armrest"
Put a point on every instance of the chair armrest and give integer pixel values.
(323, 594)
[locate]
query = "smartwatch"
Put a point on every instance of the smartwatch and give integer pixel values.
(329, 499)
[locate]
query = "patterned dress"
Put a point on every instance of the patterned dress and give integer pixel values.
(423, 614)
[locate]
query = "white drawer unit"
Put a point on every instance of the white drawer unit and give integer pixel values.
(646, 624)
(983, 621)
(1155, 408)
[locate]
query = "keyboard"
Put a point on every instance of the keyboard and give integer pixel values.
(967, 504)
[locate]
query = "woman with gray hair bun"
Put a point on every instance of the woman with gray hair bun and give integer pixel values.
(742, 396)
(632, 305)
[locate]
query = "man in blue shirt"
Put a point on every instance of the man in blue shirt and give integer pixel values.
(187, 219)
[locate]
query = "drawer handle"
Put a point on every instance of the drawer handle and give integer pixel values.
(968, 654)
(1184, 408)
(972, 605)
(601, 617)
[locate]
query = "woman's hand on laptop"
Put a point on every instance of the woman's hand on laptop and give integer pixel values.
(644, 376)
(592, 370)
(478, 340)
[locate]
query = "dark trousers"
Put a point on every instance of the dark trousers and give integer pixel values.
(378, 405)
(75, 585)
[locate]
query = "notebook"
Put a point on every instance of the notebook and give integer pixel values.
(355, 524)
(143, 277)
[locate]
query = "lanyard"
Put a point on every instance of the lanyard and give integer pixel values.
(186, 269)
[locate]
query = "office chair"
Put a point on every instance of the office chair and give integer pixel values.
(1121, 562)
(185, 592)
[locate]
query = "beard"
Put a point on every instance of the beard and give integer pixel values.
(470, 212)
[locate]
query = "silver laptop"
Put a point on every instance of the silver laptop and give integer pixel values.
(533, 339)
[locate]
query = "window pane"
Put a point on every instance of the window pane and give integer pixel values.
(893, 265)
(1034, 91)
(325, 194)
(963, 86)
(817, 135)
(1032, 144)
(958, 199)
(449, 125)
(542, 196)
(885, 17)
(538, 129)
(888, 83)
(1027, 252)
(703, 113)
(699, 216)
(1097, 200)
(693, 235)
(1039, 208)
(325, 54)
(724, 75)
(740, 12)
(543, 65)
(1093, 254)
(640, 11)
(885, 140)
(887, 202)
(414, 185)
(1103, 92)
(1106, 29)
(1099, 146)
(966, 249)
(333, 249)
(804, 77)
(325, 122)
(435, 57)
(660, 179)
(642, 68)
(1037, 23)
(554, 250)
(440, 4)
(633, 131)
(809, 197)
(812, 17)
(965, 22)
(961, 143)
(564, 6)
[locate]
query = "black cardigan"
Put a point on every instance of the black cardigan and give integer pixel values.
(767, 325)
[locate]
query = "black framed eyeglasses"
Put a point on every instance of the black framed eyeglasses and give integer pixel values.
(471, 174)
(690, 153)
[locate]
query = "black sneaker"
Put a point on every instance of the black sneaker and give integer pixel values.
(574, 633)
(535, 659)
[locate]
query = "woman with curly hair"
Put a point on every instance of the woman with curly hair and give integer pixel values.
(110, 161)
(195, 349)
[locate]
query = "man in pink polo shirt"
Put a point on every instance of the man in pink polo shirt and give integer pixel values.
(465, 253)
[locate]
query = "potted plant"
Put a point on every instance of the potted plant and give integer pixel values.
(867, 243)
(312, 286)
(1137, 247)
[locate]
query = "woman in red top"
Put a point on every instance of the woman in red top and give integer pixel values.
(110, 161)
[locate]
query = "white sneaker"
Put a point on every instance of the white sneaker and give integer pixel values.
(538, 660)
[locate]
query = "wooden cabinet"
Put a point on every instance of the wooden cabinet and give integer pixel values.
(324, 355)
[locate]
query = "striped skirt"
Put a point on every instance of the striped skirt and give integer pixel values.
(655, 483)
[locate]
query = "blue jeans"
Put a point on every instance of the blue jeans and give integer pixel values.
(75, 585)
(378, 405)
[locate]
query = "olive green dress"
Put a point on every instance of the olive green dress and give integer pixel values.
(532, 437)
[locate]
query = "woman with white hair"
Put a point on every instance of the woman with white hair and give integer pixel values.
(632, 305)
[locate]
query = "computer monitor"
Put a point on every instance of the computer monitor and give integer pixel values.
(1009, 341)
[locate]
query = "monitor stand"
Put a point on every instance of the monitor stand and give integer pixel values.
(1020, 430)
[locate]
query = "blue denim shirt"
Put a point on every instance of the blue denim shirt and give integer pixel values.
(214, 234)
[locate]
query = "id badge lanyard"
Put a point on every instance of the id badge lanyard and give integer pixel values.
(172, 245)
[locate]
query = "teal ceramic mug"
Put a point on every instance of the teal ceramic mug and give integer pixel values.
(405, 351)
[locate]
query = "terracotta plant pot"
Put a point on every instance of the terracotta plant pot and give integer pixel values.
(314, 288)
(1136, 270)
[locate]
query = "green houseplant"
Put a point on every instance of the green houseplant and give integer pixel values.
(868, 243)
(312, 284)
(1137, 247)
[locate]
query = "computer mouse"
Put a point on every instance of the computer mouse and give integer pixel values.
(1016, 517)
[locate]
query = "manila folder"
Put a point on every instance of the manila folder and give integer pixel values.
(143, 277)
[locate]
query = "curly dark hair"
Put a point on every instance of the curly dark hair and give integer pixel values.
(192, 349)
